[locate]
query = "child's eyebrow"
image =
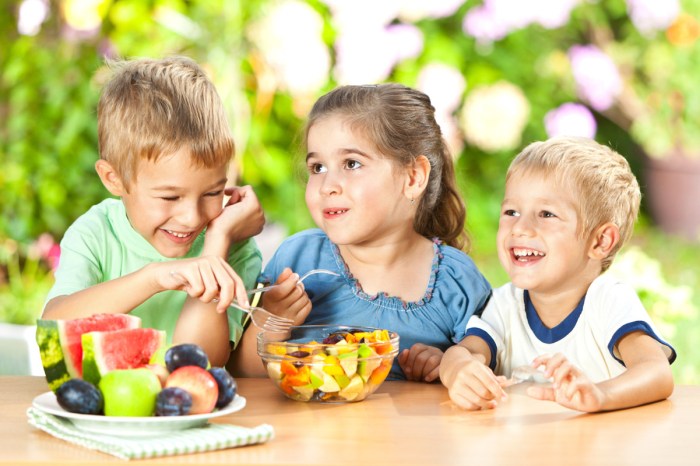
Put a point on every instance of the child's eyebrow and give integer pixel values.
(343, 151)
(179, 188)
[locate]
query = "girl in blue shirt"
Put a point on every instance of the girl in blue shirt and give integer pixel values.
(381, 188)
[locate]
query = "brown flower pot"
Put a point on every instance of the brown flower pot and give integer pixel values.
(673, 194)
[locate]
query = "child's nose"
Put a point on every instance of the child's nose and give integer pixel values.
(523, 226)
(331, 184)
(190, 215)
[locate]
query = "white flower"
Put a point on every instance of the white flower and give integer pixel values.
(493, 117)
(650, 16)
(290, 39)
(444, 85)
(32, 13)
(415, 10)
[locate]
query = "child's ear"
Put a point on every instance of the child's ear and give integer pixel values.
(604, 240)
(417, 180)
(110, 178)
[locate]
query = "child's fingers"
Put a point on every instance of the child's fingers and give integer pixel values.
(542, 393)
(433, 374)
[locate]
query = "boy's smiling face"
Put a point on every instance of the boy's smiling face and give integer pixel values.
(539, 243)
(171, 201)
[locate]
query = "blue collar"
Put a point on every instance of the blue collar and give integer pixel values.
(554, 334)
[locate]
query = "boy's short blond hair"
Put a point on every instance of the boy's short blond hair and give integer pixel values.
(155, 107)
(607, 189)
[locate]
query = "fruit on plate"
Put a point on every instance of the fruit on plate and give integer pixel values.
(60, 343)
(346, 366)
(130, 392)
(173, 401)
(79, 396)
(226, 384)
(186, 354)
(119, 349)
(197, 382)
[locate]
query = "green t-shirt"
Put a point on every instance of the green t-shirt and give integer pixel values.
(101, 245)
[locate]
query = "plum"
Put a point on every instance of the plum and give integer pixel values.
(186, 354)
(79, 396)
(173, 401)
(227, 386)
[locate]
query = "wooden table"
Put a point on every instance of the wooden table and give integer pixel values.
(402, 423)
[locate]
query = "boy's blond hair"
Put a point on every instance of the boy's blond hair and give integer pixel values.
(607, 189)
(150, 108)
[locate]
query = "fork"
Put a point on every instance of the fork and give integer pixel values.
(265, 320)
(303, 277)
(525, 373)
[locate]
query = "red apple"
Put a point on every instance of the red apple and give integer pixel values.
(199, 383)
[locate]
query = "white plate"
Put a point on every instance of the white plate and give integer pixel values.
(132, 426)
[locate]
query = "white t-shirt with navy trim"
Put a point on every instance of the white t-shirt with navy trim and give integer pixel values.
(588, 336)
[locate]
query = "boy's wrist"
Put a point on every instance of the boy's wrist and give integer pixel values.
(216, 244)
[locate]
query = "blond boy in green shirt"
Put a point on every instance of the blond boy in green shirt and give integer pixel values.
(165, 146)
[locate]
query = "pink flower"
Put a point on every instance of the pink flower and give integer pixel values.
(570, 119)
(597, 78)
(47, 249)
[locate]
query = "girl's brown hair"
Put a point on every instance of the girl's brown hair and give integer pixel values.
(400, 121)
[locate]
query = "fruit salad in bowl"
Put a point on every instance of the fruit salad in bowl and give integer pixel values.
(328, 363)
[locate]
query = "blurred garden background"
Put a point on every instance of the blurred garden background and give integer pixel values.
(501, 74)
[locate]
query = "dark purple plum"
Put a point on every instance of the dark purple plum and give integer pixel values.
(80, 396)
(173, 401)
(185, 354)
(227, 386)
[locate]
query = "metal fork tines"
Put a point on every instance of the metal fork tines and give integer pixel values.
(265, 320)
(303, 277)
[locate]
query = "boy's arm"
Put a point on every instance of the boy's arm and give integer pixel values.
(118, 296)
(648, 378)
(245, 361)
(465, 372)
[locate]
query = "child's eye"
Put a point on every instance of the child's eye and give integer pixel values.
(352, 164)
(170, 198)
(511, 213)
(547, 214)
(316, 168)
(214, 193)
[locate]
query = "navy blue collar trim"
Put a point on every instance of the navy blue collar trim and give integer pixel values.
(554, 334)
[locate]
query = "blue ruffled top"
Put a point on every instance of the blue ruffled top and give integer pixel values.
(455, 291)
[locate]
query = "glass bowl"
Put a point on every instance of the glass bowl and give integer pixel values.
(328, 363)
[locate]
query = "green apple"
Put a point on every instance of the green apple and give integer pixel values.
(130, 392)
(353, 389)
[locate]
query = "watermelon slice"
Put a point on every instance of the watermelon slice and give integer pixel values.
(119, 349)
(60, 343)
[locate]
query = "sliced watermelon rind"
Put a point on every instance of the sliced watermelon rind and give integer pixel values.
(60, 343)
(52, 356)
(120, 349)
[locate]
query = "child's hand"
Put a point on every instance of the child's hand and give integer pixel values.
(242, 217)
(205, 278)
(475, 386)
(421, 362)
(570, 388)
(289, 298)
